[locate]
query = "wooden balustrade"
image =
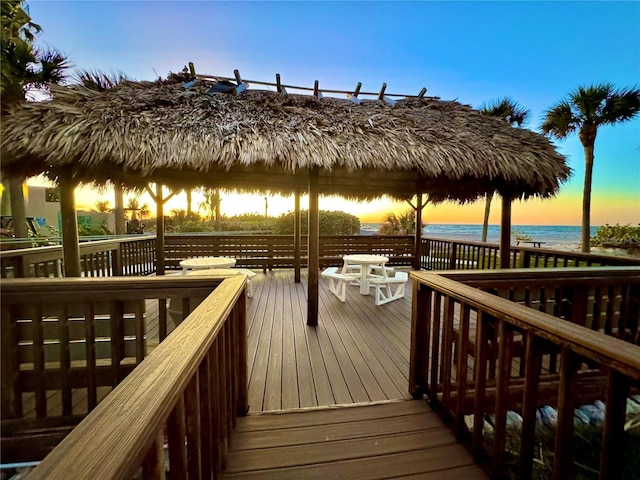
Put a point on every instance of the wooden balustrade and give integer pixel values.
(439, 254)
(104, 258)
(186, 395)
(277, 251)
(67, 342)
(463, 358)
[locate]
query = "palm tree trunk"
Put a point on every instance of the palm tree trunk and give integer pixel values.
(188, 203)
(485, 222)
(119, 208)
(18, 212)
(586, 199)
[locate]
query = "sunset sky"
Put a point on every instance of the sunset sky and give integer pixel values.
(472, 52)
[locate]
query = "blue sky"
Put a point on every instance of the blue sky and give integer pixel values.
(534, 52)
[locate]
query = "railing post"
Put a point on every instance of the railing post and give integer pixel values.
(567, 392)
(612, 438)
(118, 260)
(420, 328)
(453, 254)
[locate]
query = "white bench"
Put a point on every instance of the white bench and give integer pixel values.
(338, 282)
(389, 288)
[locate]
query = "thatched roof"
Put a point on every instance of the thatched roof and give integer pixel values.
(158, 131)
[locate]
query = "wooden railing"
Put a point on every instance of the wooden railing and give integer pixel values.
(477, 355)
(106, 258)
(453, 255)
(189, 391)
(67, 342)
(276, 251)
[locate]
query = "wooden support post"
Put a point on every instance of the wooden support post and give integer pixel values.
(70, 239)
(567, 393)
(316, 91)
(192, 69)
(422, 92)
(613, 436)
(356, 92)
(118, 195)
(160, 258)
(313, 247)
(382, 89)
(505, 232)
(420, 330)
(297, 236)
(418, 233)
(236, 73)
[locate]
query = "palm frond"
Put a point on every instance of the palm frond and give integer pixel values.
(589, 101)
(507, 109)
(97, 80)
(623, 105)
(560, 121)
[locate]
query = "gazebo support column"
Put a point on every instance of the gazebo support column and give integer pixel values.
(118, 197)
(70, 238)
(313, 247)
(505, 232)
(418, 233)
(160, 201)
(296, 237)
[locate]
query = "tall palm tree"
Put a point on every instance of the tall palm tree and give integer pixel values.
(24, 69)
(586, 109)
(514, 114)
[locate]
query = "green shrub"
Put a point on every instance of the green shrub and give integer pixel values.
(618, 236)
(330, 223)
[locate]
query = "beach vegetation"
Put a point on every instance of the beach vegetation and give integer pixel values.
(584, 111)
(402, 224)
(617, 236)
(514, 114)
(330, 223)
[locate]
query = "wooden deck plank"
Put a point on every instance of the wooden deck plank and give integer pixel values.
(333, 451)
(355, 344)
(429, 460)
(362, 357)
(306, 388)
(328, 415)
(290, 392)
(403, 438)
(274, 388)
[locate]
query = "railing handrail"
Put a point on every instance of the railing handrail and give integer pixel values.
(617, 354)
(111, 442)
(85, 247)
(593, 257)
(549, 274)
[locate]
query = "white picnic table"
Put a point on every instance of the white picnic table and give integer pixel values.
(206, 263)
(365, 262)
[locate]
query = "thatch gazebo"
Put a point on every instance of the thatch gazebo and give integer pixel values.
(190, 131)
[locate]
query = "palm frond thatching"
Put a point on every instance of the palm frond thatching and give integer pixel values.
(157, 131)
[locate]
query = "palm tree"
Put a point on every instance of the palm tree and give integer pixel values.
(514, 114)
(584, 111)
(103, 206)
(24, 69)
(403, 224)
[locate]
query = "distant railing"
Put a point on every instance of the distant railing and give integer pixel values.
(191, 387)
(437, 254)
(277, 251)
(133, 256)
(67, 342)
(478, 356)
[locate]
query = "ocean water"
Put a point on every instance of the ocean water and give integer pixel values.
(565, 237)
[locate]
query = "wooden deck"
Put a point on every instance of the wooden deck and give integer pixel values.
(358, 352)
(402, 439)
